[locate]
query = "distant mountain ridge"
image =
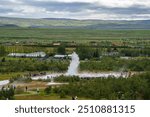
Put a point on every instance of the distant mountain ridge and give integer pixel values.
(58, 19)
(73, 23)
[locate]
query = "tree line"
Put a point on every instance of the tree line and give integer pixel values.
(104, 64)
(133, 88)
(116, 64)
(22, 65)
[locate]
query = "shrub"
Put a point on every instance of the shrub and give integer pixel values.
(48, 90)
(62, 94)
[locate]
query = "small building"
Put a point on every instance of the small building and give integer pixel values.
(111, 54)
(60, 56)
(63, 56)
(28, 55)
(125, 57)
(69, 56)
(56, 44)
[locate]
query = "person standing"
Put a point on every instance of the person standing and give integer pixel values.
(37, 90)
(26, 88)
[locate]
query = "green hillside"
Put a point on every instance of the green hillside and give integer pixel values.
(72, 23)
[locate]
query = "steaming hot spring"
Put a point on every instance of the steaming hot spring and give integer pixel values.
(73, 71)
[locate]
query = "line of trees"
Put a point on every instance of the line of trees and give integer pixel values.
(135, 52)
(135, 87)
(88, 52)
(116, 64)
(2, 51)
(104, 64)
(22, 65)
(7, 93)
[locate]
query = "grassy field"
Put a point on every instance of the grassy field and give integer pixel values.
(7, 76)
(21, 94)
(78, 35)
(45, 97)
(41, 97)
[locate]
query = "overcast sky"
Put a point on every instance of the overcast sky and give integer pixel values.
(77, 9)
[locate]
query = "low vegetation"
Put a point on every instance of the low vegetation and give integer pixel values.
(133, 88)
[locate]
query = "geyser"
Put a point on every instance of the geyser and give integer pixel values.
(73, 67)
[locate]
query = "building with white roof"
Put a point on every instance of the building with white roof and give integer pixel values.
(28, 55)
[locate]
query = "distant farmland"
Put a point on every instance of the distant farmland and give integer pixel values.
(77, 35)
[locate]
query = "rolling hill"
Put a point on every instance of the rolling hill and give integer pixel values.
(73, 23)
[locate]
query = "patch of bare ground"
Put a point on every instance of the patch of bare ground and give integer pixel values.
(30, 85)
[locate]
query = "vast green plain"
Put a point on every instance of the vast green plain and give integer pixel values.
(79, 35)
(99, 50)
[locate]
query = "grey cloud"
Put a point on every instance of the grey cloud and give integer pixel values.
(74, 8)
(2, 10)
(59, 6)
(80, 6)
(136, 9)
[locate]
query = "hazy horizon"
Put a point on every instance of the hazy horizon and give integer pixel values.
(75, 19)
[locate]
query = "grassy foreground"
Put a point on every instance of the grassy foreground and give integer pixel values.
(45, 97)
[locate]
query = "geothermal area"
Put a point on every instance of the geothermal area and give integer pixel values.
(73, 71)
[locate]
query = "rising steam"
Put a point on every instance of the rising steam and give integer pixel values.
(73, 67)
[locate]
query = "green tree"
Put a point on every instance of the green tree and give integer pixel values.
(48, 90)
(3, 60)
(96, 53)
(84, 52)
(7, 94)
(62, 94)
(61, 49)
(2, 51)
